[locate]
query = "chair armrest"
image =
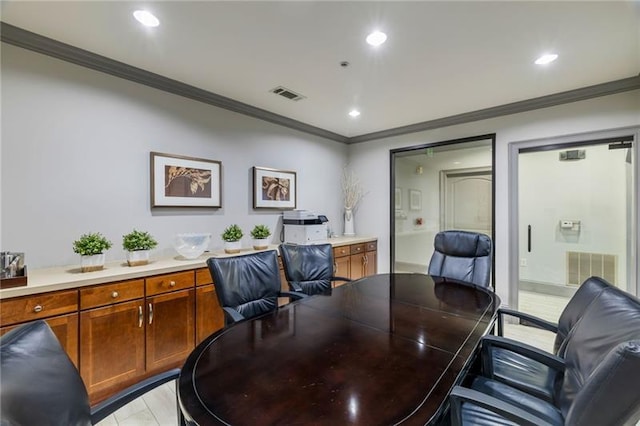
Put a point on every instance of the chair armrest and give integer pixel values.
(460, 395)
(233, 315)
(488, 342)
(537, 322)
(340, 279)
(117, 401)
(293, 295)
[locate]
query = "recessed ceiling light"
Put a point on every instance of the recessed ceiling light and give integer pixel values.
(376, 38)
(146, 18)
(354, 113)
(545, 59)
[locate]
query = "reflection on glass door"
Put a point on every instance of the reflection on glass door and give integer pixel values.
(575, 207)
(438, 187)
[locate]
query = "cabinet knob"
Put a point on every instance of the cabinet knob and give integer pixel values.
(114, 294)
(38, 308)
(172, 283)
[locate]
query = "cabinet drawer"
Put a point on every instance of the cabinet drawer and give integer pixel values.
(341, 251)
(357, 248)
(29, 308)
(203, 276)
(107, 294)
(372, 246)
(170, 282)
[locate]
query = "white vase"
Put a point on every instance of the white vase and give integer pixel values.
(92, 263)
(232, 247)
(260, 243)
(348, 223)
(138, 257)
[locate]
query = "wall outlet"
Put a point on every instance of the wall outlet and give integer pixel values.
(523, 262)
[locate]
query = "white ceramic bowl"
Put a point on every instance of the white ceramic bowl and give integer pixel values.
(191, 245)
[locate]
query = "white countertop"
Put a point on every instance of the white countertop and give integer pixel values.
(70, 276)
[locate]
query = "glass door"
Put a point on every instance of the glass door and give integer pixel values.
(576, 219)
(447, 185)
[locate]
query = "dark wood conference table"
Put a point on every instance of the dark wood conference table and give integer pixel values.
(383, 350)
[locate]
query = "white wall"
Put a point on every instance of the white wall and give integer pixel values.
(370, 161)
(75, 159)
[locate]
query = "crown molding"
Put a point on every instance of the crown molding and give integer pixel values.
(28, 40)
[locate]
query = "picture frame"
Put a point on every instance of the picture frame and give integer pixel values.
(415, 199)
(180, 181)
(274, 189)
(398, 198)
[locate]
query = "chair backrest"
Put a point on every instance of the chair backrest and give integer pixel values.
(602, 362)
(308, 268)
(40, 384)
(249, 283)
(586, 293)
(462, 255)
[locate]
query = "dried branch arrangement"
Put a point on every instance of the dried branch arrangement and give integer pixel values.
(351, 189)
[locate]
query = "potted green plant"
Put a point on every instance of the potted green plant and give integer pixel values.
(138, 244)
(91, 248)
(232, 236)
(260, 235)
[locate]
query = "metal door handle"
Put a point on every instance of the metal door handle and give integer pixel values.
(140, 317)
(150, 313)
(529, 238)
(38, 308)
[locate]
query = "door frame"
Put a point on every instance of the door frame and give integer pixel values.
(553, 143)
(444, 192)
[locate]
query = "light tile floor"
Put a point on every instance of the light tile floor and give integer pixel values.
(158, 407)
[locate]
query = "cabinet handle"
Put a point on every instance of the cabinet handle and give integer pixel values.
(150, 313)
(366, 259)
(335, 267)
(114, 294)
(140, 317)
(38, 308)
(172, 283)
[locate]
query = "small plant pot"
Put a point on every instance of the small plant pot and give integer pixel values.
(138, 257)
(232, 247)
(92, 263)
(260, 243)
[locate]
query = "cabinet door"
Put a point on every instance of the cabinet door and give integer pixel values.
(342, 268)
(170, 328)
(65, 327)
(209, 315)
(112, 349)
(371, 263)
(356, 264)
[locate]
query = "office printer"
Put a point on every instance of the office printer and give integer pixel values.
(303, 227)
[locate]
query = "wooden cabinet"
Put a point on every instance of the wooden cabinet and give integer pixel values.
(356, 260)
(58, 309)
(133, 329)
(209, 315)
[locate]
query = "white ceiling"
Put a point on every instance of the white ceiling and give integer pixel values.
(440, 59)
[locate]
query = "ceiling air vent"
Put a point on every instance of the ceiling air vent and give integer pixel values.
(286, 93)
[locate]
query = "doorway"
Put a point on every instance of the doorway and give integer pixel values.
(577, 217)
(434, 187)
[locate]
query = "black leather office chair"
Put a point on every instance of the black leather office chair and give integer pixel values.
(462, 255)
(41, 386)
(248, 285)
(309, 269)
(596, 382)
(531, 376)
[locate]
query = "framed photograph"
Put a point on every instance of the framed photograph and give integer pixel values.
(178, 181)
(415, 199)
(274, 189)
(398, 198)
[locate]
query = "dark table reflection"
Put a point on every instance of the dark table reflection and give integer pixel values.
(382, 350)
